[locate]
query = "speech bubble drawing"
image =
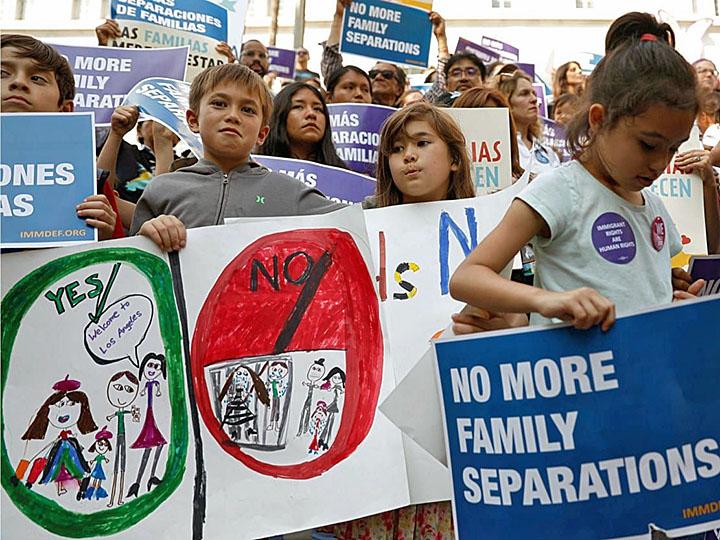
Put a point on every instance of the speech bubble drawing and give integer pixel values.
(120, 330)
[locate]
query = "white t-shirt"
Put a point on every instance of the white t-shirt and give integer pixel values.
(600, 240)
(711, 136)
(539, 158)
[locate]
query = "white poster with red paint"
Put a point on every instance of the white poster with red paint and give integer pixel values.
(289, 363)
(487, 139)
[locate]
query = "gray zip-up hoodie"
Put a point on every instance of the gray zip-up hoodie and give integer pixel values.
(202, 195)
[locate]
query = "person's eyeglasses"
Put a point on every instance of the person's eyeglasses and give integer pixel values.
(469, 71)
(386, 73)
(703, 71)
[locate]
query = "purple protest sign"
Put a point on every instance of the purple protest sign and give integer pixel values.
(555, 137)
(282, 62)
(336, 184)
(356, 133)
(706, 267)
(104, 75)
(614, 238)
(483, 53)
(527, 68)
(506, 51)
(542, 98)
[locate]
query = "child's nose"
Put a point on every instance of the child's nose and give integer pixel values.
(20, 80)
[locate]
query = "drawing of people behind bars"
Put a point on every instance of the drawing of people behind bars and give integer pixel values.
(277, 385)
(242, 387)
(335, 383)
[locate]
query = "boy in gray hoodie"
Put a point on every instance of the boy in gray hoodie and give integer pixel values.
(230, 107)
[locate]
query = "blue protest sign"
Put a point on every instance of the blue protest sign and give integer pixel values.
(483, 53)
(282, 62)
(198, 24)
(166, 101)
(506, 51)
(104, 75)
(706, 267)
(200, 17)
(555, 137)
(336, 184)
(356, 133)
(387, 31)
(554, 432)
(47, 168)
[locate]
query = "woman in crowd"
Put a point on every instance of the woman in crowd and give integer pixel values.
(300, 127)
(569, 79)
(534, 155)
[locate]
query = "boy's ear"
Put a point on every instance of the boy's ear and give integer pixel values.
(67, 106)
(596, 117)
(192, 121)
(263, 134)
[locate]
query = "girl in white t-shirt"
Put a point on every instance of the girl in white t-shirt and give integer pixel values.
(602, 240)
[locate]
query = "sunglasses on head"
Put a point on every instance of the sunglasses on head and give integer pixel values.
(386, 73)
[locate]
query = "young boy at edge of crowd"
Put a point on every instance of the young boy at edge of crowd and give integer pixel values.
(37, 79)
(229, 107)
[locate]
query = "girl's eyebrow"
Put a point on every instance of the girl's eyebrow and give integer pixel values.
(420, 134)
(654, 135)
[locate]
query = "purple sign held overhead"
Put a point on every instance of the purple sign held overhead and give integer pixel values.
(483, 53)
(506, 51)
(356, 133)
(336, 184)
(282, 62)
(104, 75)
(527, 68)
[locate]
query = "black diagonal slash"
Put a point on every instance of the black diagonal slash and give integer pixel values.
(200, 488)
(302, 303)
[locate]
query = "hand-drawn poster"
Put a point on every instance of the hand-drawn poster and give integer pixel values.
(104, 75)
(554, 432)
(94, 411)
(416, 248)
(197, 24)
(288, 366)
(682, 195)
(487, 139)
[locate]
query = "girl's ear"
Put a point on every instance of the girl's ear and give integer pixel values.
(596, 117)
(454, 166)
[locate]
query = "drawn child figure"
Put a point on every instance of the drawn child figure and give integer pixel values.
(277, 385)
(318, 419)
(314, 374)
(65, 409)
(151, 368)
(240, 386)
(334, 382)
(122, 390)
(603, 240)
(102, 446)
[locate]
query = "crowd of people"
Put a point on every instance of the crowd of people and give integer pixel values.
(625, 121)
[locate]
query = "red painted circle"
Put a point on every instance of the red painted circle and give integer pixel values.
(236, 322)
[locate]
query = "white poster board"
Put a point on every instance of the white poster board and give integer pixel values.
(487, 137)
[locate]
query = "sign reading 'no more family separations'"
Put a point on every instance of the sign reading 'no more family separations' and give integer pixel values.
(556, 433)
